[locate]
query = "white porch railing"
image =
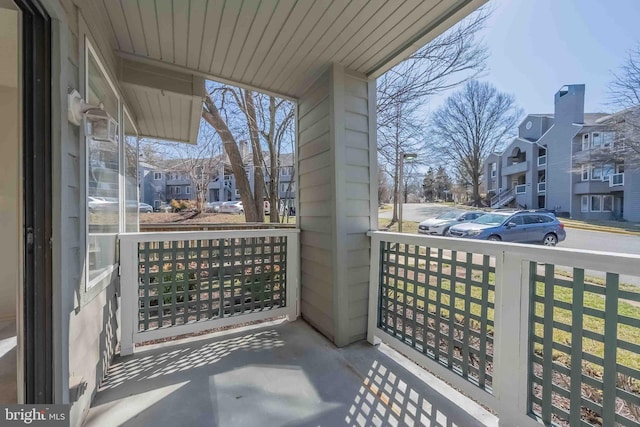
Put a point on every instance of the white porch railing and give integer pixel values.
(525, 330)
(178, 283)
(502, 198)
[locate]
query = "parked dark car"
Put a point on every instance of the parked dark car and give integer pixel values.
(517, 227)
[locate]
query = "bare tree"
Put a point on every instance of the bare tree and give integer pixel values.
(275, 122)
(221, 119)
(403, 134)
(471, 124)
(234, 113)
(384, 187)
(451, 59)
(624, 92)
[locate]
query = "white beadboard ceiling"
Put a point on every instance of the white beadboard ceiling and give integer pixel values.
(278, 46)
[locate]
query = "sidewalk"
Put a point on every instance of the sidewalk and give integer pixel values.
(618, 227)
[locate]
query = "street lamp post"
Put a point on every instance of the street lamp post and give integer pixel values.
(403, 156)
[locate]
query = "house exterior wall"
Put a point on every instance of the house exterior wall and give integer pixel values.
(632, 193)
(316, 206)
(559, 166)
(354, 218)
(84, 322)
(337, 200)
(492, 183)
(152, 189)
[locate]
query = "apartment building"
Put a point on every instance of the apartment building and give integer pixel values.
(568, 162)
(161, 183)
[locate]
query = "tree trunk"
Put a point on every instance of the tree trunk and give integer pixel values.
(258, 175)
(396, 195)
(213, 117)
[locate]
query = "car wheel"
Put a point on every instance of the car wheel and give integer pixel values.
(494, 238)
(550, 240)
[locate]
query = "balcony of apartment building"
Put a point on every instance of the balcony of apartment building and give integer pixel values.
(541, 160)
(177, 178)
(600, 178)
(516, 163)
(541, 184)
(221, 182)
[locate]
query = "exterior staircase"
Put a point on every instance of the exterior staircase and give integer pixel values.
(502, 199)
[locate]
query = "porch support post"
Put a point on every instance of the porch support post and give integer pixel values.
(512, 340)
(337, 169)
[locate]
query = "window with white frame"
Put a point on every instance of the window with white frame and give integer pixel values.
(607, 139)
(585, 142)
(103, 171)
(585, 172)
(596, 139)
(607, 171)
(157, 176)
(596, 172)
(597, 203)
(237, 193)
(178, 190)
(130, 163)
(285, 171)
(187, 190)
(494, 169)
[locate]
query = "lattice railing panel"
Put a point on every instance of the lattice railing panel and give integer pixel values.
(441, 303)
(585, 351)
(191, 280)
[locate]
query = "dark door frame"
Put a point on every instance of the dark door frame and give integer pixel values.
(36, 140)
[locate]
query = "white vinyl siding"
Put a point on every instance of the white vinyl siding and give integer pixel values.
(335, 154)
(356, 175)
(316, 203)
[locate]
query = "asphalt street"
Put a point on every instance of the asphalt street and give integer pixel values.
(576, 238)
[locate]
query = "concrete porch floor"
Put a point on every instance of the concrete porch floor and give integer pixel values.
(276, 374)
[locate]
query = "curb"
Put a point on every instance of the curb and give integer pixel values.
(601, 229)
